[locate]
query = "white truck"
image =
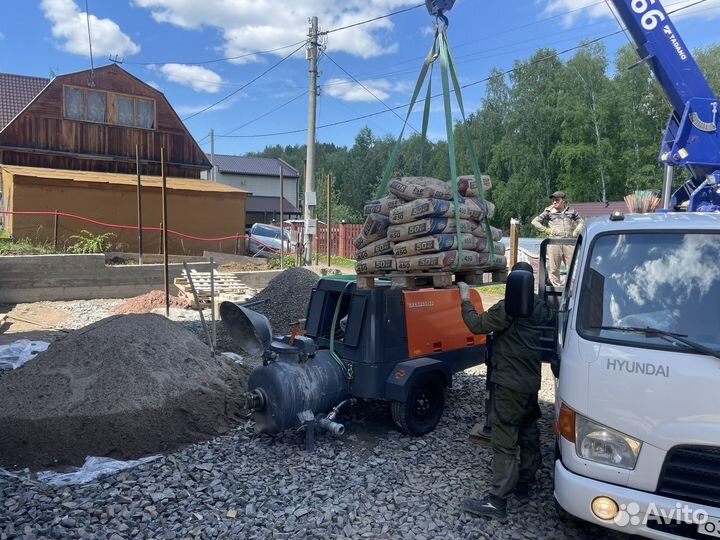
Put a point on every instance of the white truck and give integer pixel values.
(638, 376)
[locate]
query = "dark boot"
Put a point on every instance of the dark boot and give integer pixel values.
(522, 492)
(489, 507)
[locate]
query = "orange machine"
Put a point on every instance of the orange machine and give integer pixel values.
(434, 322)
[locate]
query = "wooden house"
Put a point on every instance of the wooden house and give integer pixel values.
(94, 121)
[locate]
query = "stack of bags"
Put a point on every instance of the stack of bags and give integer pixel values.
(415, 229)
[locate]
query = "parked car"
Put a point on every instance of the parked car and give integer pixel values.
(264, 240)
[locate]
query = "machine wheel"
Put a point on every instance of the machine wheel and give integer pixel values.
(422, 410)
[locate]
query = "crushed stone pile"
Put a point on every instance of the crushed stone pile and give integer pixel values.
(124, 387)
(287, 297)
(147, 302)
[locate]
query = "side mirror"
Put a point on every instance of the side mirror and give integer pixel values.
(520, 294)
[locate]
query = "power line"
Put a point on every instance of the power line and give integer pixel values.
(231, 94)
(373, 19)
(228, 134)
(475, 83)
(92, 63)
(268, 51)
(369, 91)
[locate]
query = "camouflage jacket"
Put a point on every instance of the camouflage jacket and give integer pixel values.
(565, 223)
(515, 357)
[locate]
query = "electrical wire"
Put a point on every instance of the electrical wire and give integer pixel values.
(231, 94)
(92, 63)
(228, 134)
(468, 85)
(373, 19)
(368, 91)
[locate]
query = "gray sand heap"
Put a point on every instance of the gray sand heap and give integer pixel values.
(287, 295)
(126, 386)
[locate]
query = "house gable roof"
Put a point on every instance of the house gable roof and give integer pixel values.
(254, 166)
(16, 92)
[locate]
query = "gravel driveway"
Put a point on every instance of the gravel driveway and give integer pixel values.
(372, 483)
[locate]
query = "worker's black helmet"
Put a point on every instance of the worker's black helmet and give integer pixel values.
(527, 267)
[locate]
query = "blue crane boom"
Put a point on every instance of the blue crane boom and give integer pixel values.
(691, 138)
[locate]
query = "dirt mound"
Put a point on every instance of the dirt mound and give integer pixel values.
(123, 387)
(287, 297)
(147, 302)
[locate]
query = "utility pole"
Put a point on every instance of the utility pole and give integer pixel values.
(212, 154)
(310, 196)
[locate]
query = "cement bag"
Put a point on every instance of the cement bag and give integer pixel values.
(426, 227)
(435, 243)
(382, 206)
(443, 261)
(468, 186)
(410, 188)
(483, 247)
(481, 232)
(421, 208)
(384, 263)
(374, 228)
(381, 247)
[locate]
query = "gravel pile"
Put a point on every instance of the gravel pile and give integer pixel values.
(287, 298)
(147, 302)
(373, 483)
(123, 387)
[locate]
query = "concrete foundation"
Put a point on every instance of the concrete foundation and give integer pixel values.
(34, 278)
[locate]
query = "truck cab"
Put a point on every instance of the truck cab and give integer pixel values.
(637, 369)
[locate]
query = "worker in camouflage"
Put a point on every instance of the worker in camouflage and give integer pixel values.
(559, 221)
(516, 374)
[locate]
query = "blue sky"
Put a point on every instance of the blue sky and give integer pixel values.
(159, 40)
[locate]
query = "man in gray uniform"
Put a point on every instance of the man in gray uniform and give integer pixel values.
(559, 221)
(516, 375)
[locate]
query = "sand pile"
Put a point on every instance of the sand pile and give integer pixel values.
(123, 387)
(147, 302)
(287, 295)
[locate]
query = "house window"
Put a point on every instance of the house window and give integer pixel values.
(74, 103)
(126, 111)
(96, 106)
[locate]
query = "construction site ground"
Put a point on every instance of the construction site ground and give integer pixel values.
(371, 483)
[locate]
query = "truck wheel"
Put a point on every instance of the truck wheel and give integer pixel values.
(422, 410)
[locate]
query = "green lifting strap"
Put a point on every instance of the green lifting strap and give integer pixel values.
(431, 57)
(471, 148)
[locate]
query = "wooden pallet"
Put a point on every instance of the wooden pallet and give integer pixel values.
(432, 279)
(224, 283)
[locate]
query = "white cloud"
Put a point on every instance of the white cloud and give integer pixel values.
(69, 25)
(347, 90)
(253, 26)
(198, 78)
(591, 9)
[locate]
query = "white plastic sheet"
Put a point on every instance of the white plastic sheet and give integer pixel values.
(15, 354)
(92, 469)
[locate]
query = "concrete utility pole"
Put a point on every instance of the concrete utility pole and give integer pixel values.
(310, 196)
(212, 154)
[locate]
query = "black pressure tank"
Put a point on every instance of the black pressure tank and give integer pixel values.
(290, 387)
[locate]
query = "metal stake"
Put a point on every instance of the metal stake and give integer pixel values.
(139, 206)
(212, 303)
(282, 219)
(199, 308)
(165, 233)
(55, 230)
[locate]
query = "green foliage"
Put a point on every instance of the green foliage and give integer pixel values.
(342, 261)
(574, 124)
(289, 262)
(24, 247)
(87, 242)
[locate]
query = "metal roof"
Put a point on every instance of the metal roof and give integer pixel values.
(174, 184)
(16, 92)
(253, 166)
(263, 203)
(593, 209)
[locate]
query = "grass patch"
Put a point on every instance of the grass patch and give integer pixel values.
(24, 247)
(492, 289)
(342, 261)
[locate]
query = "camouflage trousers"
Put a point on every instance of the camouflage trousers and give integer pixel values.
(515, 439)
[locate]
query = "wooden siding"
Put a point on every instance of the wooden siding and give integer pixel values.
(82, 145)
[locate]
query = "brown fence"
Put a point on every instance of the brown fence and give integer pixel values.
(341, 239)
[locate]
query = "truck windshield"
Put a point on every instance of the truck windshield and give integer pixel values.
(666, 281)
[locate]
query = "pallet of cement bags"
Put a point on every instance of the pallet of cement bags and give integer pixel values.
(422, 208)
(444, 242)
(375, 228)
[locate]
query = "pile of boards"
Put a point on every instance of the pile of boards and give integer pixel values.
(225, 283)
(414, 229)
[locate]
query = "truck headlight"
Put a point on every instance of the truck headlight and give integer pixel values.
(599, 443)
